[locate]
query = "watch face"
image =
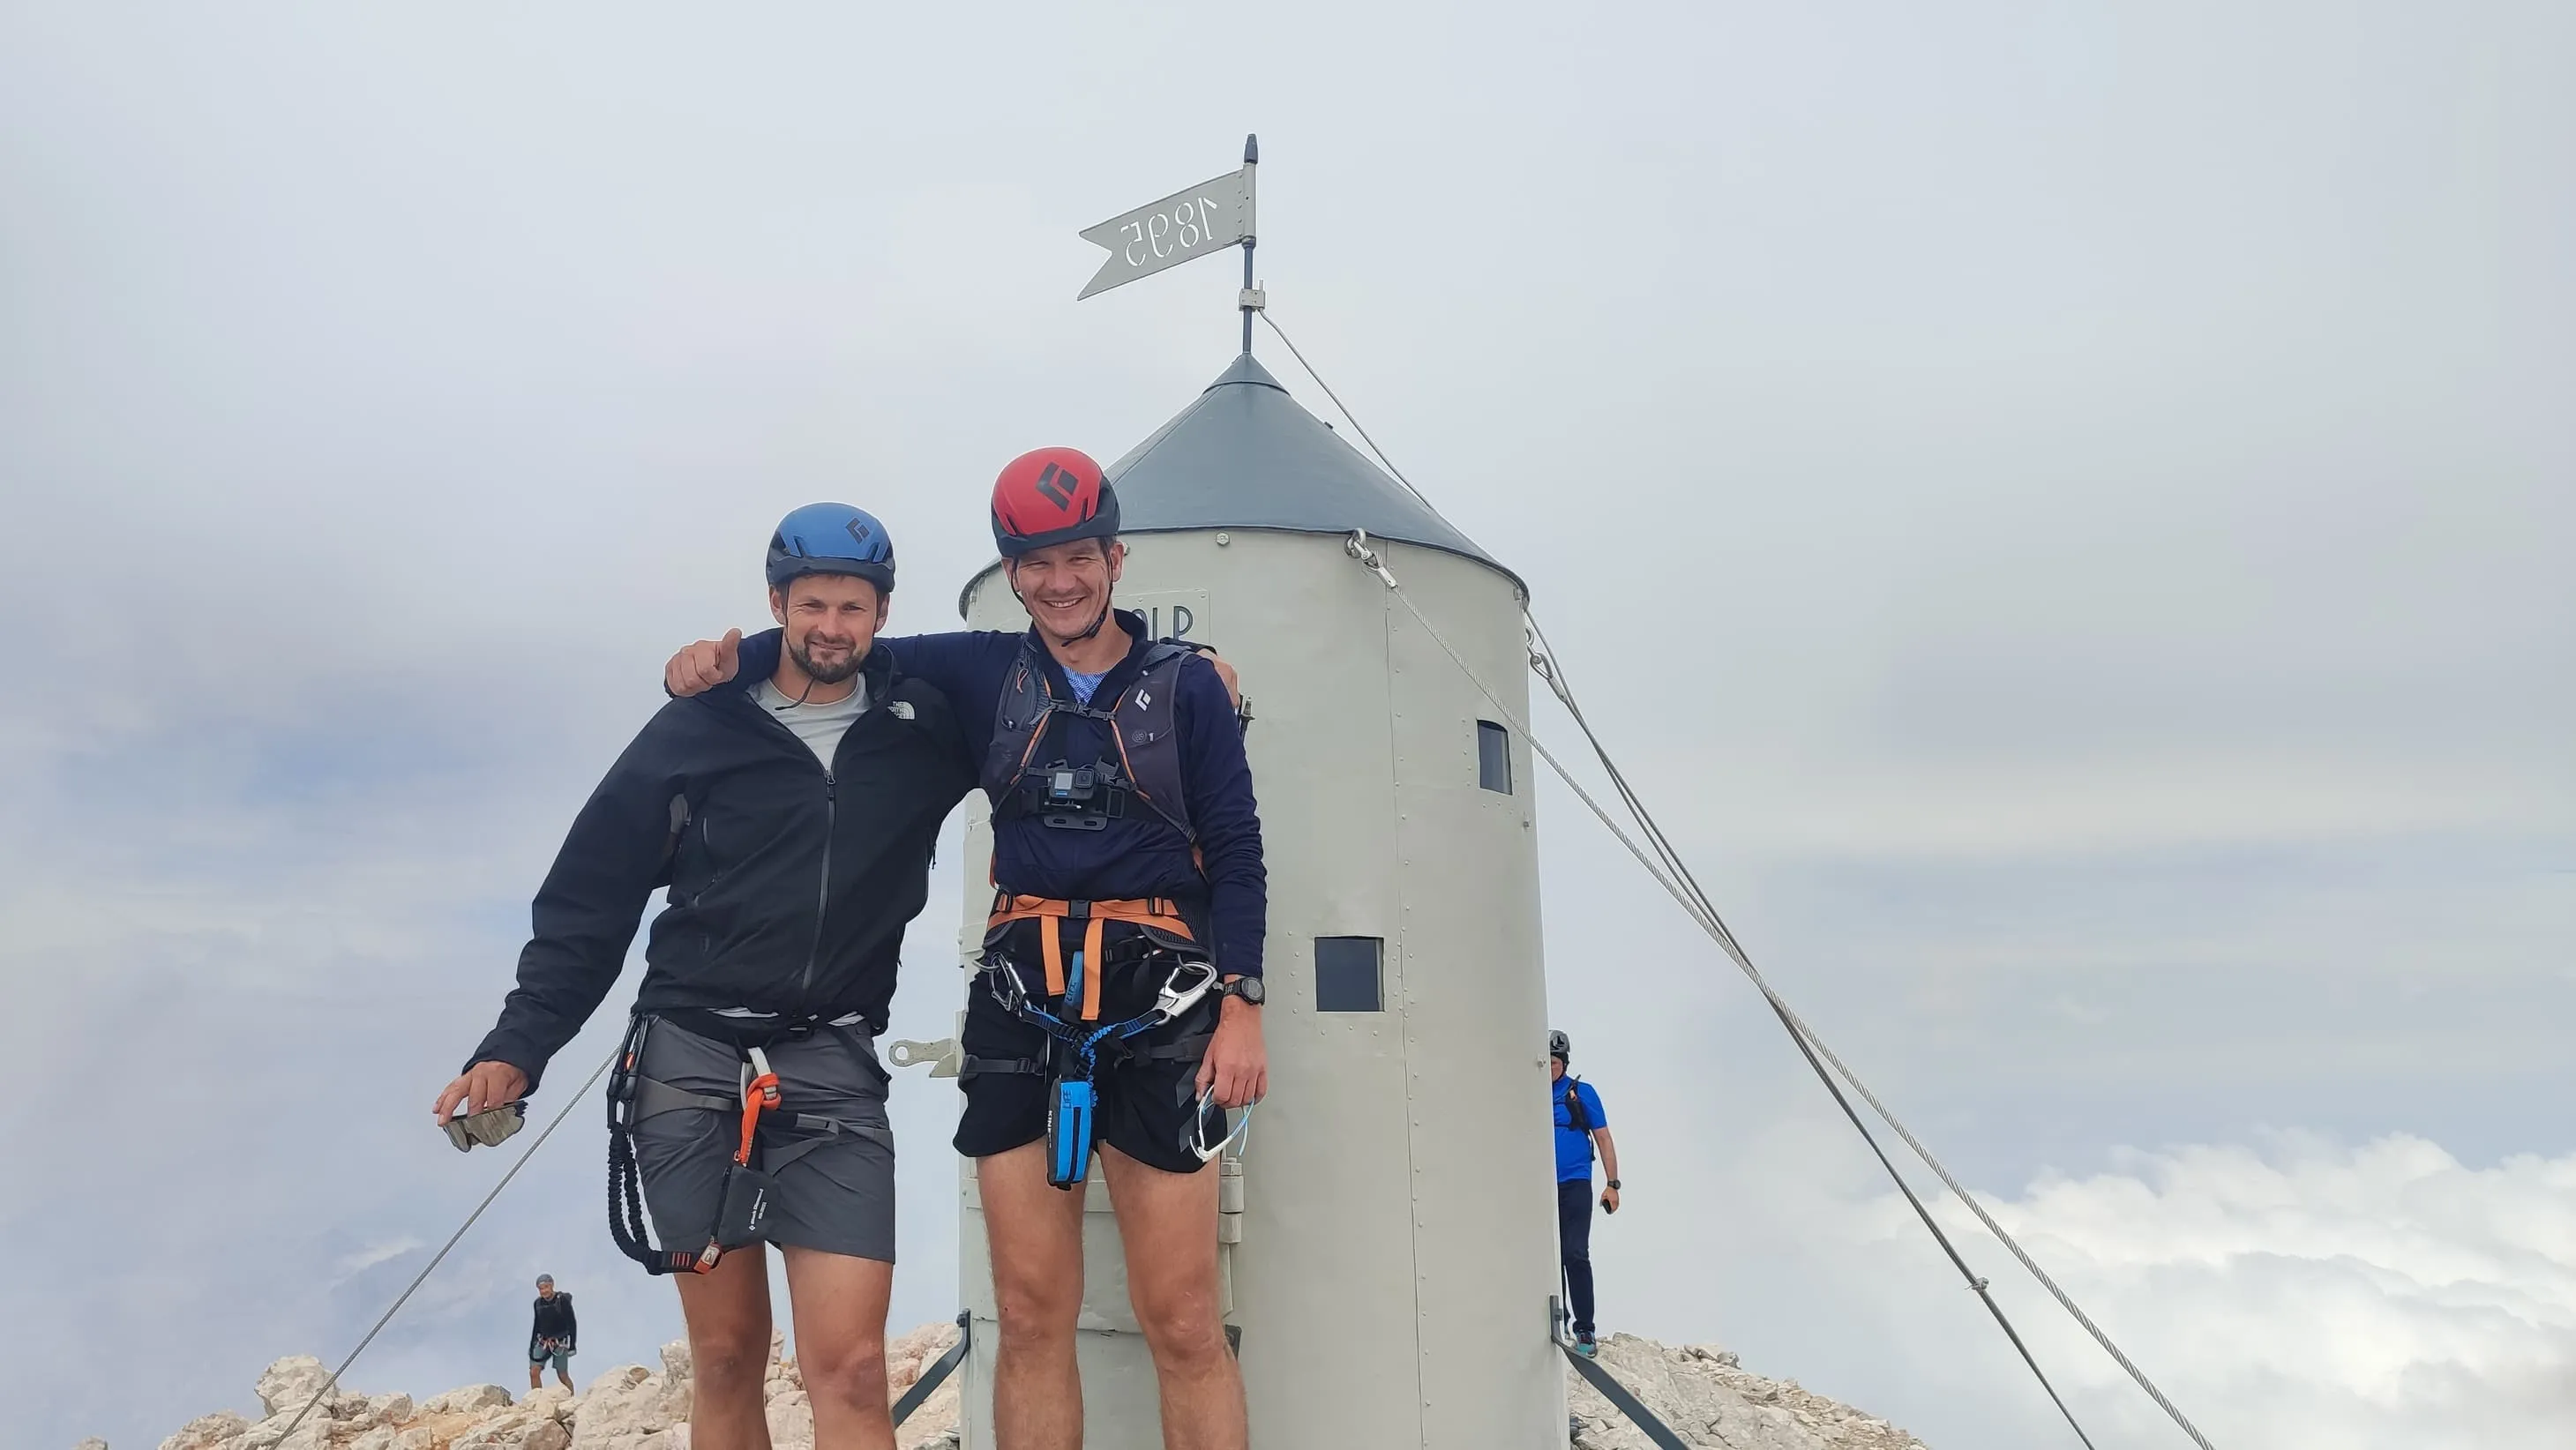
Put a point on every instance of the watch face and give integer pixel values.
(1249, 989)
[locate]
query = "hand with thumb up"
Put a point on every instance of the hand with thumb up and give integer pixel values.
(703, 666)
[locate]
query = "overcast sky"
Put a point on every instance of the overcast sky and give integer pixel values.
(2065, 510)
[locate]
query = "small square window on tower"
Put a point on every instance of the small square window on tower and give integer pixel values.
(1493, 757)
(1349, 974)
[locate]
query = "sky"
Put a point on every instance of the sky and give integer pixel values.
(2062, 509)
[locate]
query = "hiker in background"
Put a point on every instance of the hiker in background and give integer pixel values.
(551, 1338)
(1582, 1129)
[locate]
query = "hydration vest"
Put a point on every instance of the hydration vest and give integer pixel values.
(1143, 722)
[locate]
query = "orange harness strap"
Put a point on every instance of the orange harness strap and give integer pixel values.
(1157, 912)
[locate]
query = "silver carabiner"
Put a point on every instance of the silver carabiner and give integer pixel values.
(1174, 999)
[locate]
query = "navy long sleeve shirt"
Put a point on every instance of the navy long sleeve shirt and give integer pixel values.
(1134, 856)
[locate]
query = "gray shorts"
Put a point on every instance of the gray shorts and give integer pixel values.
(835, 1194)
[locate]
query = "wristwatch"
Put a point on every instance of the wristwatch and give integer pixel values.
(1614, 1183)
(1248, 988)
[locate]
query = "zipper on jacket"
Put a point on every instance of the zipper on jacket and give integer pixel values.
(823, 885)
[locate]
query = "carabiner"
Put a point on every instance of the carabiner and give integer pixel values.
(1197, 1142)
(1174, 1000)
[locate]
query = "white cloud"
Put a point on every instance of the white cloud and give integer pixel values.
(358, 1262)
(2304, 1295)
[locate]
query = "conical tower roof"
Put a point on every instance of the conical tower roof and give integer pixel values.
(1246, 456)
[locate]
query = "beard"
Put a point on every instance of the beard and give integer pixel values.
(822, 674)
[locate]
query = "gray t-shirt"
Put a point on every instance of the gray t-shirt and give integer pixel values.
(819, 726)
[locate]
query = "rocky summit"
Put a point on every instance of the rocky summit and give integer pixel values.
(1705, 1397)
(1699, 1391)
(628, 1408)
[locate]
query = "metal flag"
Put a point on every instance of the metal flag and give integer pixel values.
(1204, 219)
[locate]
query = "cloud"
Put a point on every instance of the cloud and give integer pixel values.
(2312, 1296)
(367, 1258)
(2294, 1290)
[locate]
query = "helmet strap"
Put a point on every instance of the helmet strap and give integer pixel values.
(1095, 625)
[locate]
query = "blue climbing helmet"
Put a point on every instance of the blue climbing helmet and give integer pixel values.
(831, 538)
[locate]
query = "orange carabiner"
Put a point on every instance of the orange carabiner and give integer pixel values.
(759, 1091)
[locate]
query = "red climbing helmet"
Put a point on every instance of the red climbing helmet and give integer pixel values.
(1051, 496)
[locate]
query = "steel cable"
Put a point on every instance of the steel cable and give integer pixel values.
(333, 1382)
(1667, 868)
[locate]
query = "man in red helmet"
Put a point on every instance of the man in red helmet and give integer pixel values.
(1129, 914)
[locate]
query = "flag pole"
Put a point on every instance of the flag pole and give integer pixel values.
(1251, 298)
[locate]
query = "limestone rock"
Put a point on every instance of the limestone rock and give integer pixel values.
(526, 1428)
(285, 1386)
(92, 1443)
(679, 1381)
(934, 1425)
(466, 1399)
(623, 1408)
(791, 1420)
(208, 1432)
(314, 1433)
(1702, 1394)
(1700, 1390)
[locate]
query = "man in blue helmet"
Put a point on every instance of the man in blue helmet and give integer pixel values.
(1127, 858)
(792, 823)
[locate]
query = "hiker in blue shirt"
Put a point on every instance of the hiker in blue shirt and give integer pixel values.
(1582, 1129)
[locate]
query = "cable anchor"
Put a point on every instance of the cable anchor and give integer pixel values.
(1357, 546)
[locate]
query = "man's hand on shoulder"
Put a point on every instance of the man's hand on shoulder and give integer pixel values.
(703, 666)
(1224, 671)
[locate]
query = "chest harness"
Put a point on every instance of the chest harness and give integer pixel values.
(742, 1211)
(1026, 784)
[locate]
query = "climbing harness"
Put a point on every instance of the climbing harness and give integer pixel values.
(743, 1202)
(1158, 918)
(1076, 1048)
(1666, 867)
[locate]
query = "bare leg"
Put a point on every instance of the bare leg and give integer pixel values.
(563, 1377)
(537, 1375)
(728, 1315)
(1036, 1235)
(840, 1308)
(1167, 1221)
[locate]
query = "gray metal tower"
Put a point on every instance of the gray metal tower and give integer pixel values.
(1390, 1236)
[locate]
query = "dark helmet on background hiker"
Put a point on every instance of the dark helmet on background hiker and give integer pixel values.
(1560, 1047)
(1051, 496)
(831, 538)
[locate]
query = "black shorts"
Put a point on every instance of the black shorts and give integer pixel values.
(1147, 1106)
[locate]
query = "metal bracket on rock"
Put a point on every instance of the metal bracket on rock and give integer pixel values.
(944, 1057)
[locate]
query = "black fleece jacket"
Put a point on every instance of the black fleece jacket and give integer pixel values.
(790, 885)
